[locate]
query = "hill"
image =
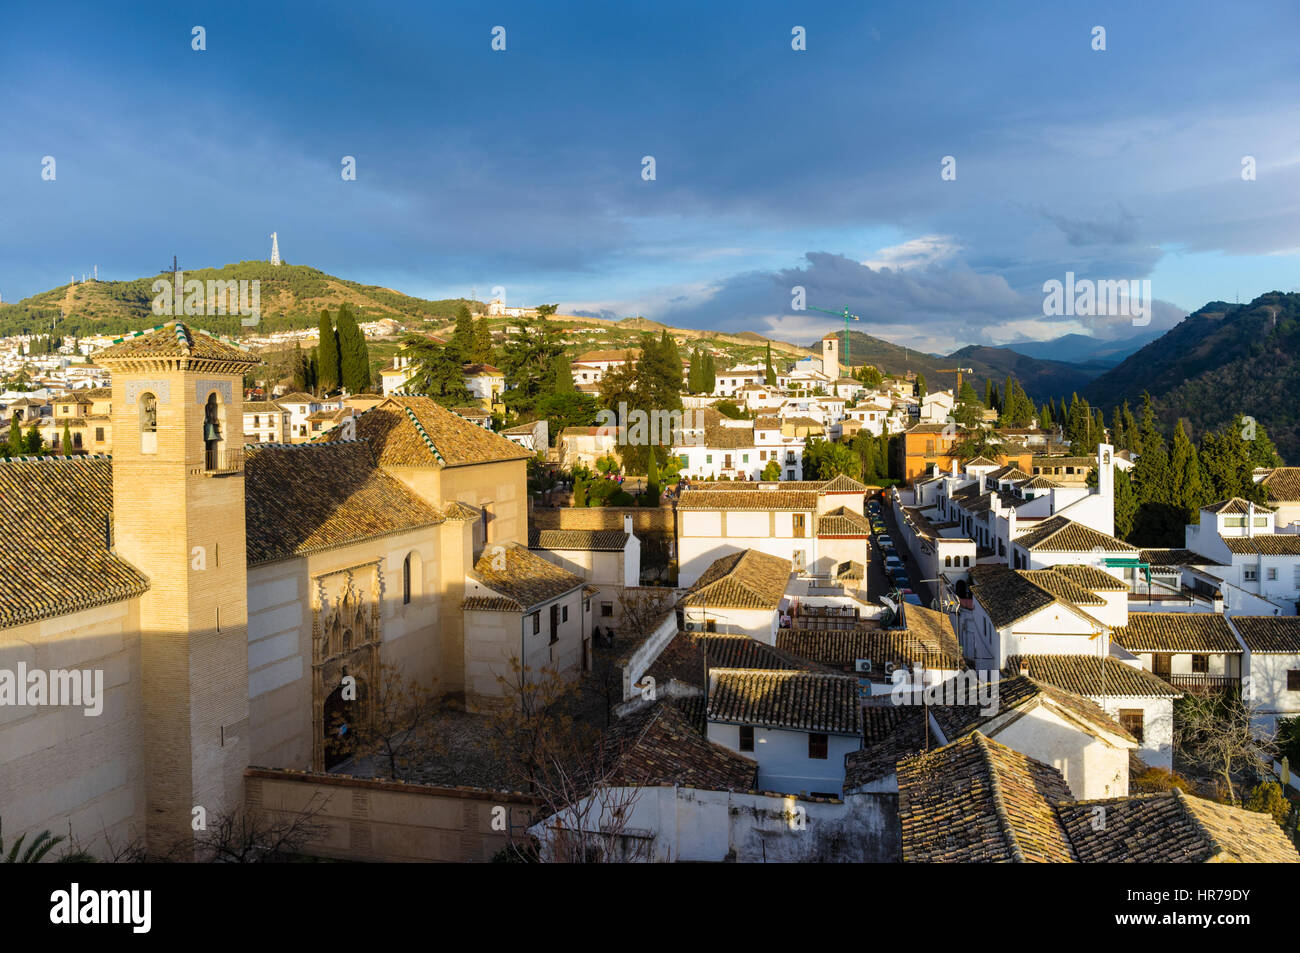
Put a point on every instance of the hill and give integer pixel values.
(292, 296)
(1221, 362)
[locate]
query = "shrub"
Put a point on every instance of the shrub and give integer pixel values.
(1153, 780)
(1267, 798)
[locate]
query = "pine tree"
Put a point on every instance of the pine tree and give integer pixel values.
(1185, 476)
(482, 342)
(327, 356)
(461, 344)
(436, 371)
(771, 372)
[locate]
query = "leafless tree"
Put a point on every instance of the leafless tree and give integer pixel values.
(243, 836)
(1213, 730)
(397, 730)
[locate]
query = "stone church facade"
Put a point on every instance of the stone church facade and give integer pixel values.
(223, 592)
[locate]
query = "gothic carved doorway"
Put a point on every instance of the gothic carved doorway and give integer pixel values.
(345, 660)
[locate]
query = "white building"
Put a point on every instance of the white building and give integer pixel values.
(1241, 536)
(712, 447)
(797, 725)
(609, 561)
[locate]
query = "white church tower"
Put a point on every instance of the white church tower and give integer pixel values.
(275, 251)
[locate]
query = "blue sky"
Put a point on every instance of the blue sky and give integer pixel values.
(774, 168)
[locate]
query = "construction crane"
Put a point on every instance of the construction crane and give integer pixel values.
(956, 395)
(847, 318)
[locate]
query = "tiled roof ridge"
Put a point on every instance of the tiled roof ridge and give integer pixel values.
(55, 457)
(419, 428)
(995, 785)
(1216, 849)
(315, 444)
(183, 338)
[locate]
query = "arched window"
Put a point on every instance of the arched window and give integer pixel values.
(406, 580)
(148, 423)
(212, 431)
(412, 577)
(947, 560)
(965, 560)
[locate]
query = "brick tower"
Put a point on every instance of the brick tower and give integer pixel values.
(178, 514)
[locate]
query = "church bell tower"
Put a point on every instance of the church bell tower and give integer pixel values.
(178, 516)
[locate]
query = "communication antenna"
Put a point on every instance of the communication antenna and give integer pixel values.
(275, 250)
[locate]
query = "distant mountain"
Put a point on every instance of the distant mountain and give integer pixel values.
(1220, 363)
(1040, 378)
(1084, 349)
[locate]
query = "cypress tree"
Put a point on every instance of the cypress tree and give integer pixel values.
(34, 441)
(988, 393)
(462, 338)
(16, 444)
(67, 438)
(354, 355)
(771, 373)
(327, 362)
(482, 342)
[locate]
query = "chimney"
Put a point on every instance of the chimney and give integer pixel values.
(1011, 530)
(1218, 601)
(1024, 667)
(627, 523)
(1250, 519)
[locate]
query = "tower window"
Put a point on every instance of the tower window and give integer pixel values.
(148, 423)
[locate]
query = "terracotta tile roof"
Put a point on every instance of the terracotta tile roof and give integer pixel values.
(747, 499)
(1283, 484)
(417, 431)
(1269, 633)
(1009, 595)
(585, 540)
(54, 556)
(843, 483)
(933, 630)
(299, 397)
(263, 407)
(800, 701)
(728, 438)
(767, 423)
(843, 647)
(1007, 473)
(1173, 828)
(175, 339)
(843, 521)
(660, 745)
(523, 577)
(1236, 506)
(489, 604)
(1271, 544)
(1039, 483)
(1175, 557)
(474, 370)
(631, 353)
(1058, 534)
(1091, 578)
(1176, 632)
(976, 800)
(1019, 692)
(981, 462)
(1082, 675)
(683, 659)
(748, 579)
(307, 497)
(892, 733)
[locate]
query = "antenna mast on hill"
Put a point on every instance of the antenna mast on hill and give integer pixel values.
(275, 250)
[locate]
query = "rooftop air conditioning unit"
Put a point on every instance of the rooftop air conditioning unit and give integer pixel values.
(690, 626)
(862, 665)
(889, 668)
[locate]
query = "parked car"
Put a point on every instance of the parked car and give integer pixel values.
(901, 581)
(884, 542)
(893, 564)
(912, 598)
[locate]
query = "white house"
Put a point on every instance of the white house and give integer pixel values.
(1241, 536)
(741, 593)
(484, 381)
(609, 561)
(797, 725)
(815, 526)
(1270, 665)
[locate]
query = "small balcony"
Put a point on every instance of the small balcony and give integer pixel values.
(222, 461)
(1200, 683)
